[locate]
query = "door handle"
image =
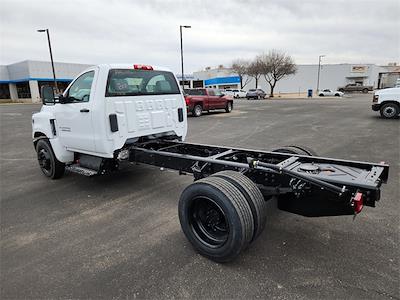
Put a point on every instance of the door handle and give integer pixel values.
(84, 110)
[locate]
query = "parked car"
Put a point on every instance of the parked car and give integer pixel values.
(228, 92)
(239, 93)
(199, 100)
(328, 92)
(387, 102)
(255, 94)
(355, 87)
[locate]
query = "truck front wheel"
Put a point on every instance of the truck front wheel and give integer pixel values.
(389, 110)
(216, 218)
(228, 107)
(49, 164)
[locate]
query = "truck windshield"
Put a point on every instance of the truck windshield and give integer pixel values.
(126, 82)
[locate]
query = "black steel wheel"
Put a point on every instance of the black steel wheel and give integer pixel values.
(49, 164)
(296, 149)
(253, 195)
(228, 107)
(216, 218)
(390, 110)
(197, 110)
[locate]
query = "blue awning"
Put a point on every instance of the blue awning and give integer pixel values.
(222, 80)
(35, 79)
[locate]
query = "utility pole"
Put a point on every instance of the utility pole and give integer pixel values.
(180, 31)
(319, 70)
(51, 57)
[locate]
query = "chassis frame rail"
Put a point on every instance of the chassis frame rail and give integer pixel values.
(320, 186)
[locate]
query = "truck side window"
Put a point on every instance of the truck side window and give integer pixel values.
(80, 89)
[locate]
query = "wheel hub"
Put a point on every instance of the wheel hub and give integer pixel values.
(389, 111)
(209, 223)
(44, 159)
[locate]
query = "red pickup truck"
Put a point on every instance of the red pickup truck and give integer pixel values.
(199, 100)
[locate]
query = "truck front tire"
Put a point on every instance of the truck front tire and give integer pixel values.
(228, 107)
(49, 164)
(390, 110)
(216, 218)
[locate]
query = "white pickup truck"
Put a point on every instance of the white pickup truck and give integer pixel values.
(114, 114)
(104, 108)
(387, 102)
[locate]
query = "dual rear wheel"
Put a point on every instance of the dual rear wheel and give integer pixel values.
(222, 214)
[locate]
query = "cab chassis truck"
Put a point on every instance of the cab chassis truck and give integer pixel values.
(111, 114)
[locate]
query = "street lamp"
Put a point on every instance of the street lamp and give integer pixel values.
(180, 30)
(51, 56)
(319, 69)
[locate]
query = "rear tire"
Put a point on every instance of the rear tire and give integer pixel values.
(337, 95)
(197, 110)
(296, 149)
(365, 91)
(49, 164)
(253, 195)
(321, 95)
(389, 110)
(216, 218)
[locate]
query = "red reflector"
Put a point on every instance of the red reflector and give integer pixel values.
(358, 203)
(142, 67)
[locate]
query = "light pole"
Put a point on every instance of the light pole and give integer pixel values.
(51, 56)
(319, 69)
(180, 31)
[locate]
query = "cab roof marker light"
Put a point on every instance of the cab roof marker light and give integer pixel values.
(142, 67)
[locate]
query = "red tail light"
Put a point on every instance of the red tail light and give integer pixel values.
(142, 67)
(187, 100)
(358, 203)
(375, 99)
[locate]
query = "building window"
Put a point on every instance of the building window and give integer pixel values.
(4, 91)
(23, 90)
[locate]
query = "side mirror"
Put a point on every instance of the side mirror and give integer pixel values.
(47, 95)
(62, 99)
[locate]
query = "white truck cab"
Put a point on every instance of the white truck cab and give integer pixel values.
(387, 102)
(106, 107)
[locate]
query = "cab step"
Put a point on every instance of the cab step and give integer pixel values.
(75, 168)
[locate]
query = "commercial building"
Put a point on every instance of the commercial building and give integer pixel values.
(332, 76)
(23, 80)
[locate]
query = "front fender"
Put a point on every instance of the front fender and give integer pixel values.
(44, 126)
(41, 125)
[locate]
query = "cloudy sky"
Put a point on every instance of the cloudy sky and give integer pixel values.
(147, 31)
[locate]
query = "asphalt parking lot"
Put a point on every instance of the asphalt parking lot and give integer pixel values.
(119, 236)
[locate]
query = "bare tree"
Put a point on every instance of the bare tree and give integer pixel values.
(240, 67)
(275, 65)
(255, 70)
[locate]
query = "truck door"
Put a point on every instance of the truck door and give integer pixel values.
(213, 99)
(74, 116)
